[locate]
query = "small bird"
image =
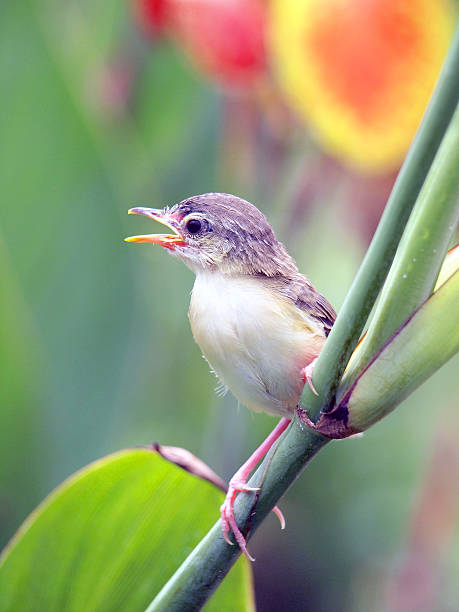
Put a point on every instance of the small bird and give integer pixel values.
(260, 324)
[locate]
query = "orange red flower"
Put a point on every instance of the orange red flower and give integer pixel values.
(360, 72)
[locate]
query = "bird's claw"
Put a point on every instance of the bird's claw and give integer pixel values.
(278, 512)
(307, 375)
(229, 521)
(227, 512)
(238, 483)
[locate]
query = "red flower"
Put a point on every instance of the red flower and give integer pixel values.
(152, 15)
(225, 39)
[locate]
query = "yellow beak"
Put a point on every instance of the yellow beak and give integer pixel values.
(169, 241)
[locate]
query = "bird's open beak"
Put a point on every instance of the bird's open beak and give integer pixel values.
(169, 241)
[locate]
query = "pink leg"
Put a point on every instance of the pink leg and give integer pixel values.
(239, 483)
(307, 375)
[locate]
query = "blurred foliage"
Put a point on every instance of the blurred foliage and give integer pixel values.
(110, 536)
(96, 351)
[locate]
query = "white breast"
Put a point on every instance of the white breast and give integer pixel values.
(257, 343)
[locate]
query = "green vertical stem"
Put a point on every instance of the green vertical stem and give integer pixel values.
(421, 252)
(373, 271)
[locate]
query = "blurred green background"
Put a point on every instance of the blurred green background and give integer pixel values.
(96, 353)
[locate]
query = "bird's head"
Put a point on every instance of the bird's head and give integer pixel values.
(219, 231)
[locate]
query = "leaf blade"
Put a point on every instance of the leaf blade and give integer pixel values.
(109, 536)
(419, 348)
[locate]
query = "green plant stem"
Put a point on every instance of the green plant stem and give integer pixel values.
(423, 344)
(373, 271)
(200, 574)
(421, 252)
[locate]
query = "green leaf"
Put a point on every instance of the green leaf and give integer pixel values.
(110, 536)
(422, 345)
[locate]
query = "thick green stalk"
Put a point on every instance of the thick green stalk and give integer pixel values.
(423, 344)
(372, 273)
(420, 254)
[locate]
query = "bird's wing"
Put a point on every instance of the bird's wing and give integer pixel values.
(308, 299)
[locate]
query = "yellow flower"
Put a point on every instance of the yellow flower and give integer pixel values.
(360, 72)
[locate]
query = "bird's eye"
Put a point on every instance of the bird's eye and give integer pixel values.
(194, 226)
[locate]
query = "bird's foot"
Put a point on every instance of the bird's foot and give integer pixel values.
(236, 485)
(307, 375)
(239, 485)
